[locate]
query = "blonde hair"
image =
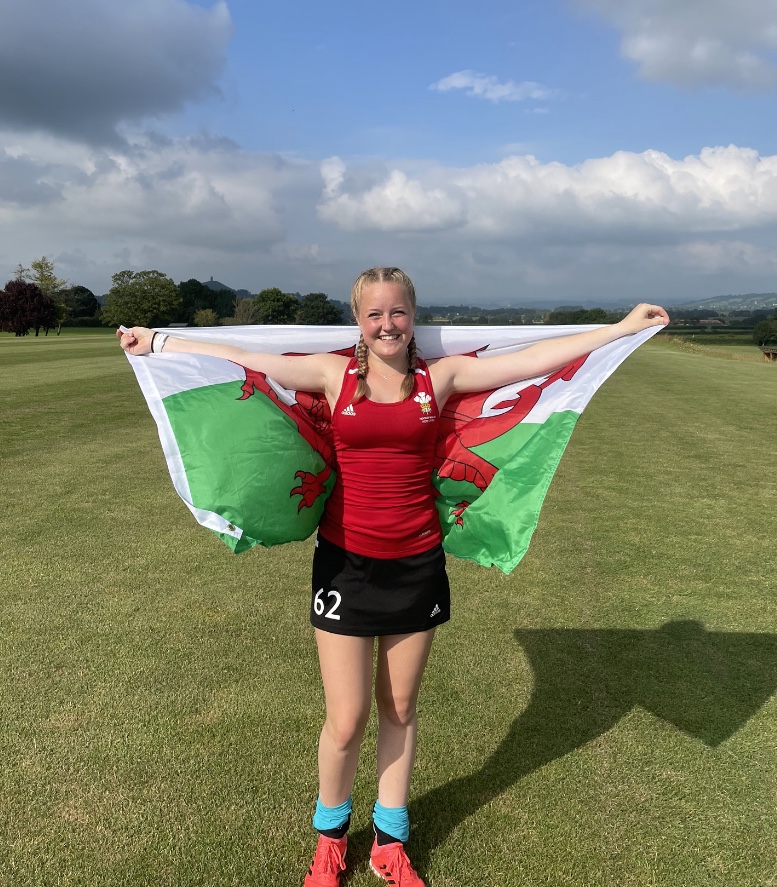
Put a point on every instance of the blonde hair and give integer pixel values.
(382, 275)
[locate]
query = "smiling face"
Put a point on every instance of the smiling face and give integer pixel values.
(385, 318)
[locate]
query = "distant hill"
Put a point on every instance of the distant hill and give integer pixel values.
(741, 302)
(723, 304)
(528, 304)
(745, 302)
(217, 285)
(469, 310)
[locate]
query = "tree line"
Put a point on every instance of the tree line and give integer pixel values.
(150, 298)
(36, 299)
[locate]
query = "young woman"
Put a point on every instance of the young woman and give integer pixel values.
(379, 571)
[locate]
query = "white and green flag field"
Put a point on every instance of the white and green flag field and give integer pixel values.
(254, 462)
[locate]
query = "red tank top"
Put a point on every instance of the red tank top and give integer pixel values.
(383, 502)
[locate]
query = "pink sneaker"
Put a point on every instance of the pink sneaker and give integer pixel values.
(328, 862)
(390, 862)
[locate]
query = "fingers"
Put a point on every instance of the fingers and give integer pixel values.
(134, 341)
(126, 338)
(654, 313)
(643, 317)
(657, 314)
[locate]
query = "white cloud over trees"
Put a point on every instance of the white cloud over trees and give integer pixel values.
(719, 190)
(514, 227)
(178, 204)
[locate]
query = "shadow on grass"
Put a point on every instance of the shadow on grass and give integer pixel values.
(707, 684)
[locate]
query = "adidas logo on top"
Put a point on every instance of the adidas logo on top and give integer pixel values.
(349, 410)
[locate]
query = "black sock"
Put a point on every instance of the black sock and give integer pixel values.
(384, 837)
(338, 832)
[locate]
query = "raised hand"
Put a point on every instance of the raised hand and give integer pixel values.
(644, 316)
(136, 340)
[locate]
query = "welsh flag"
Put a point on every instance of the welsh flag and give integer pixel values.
(254, 462)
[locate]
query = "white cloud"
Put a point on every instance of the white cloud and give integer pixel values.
(179, 203)
(625, 195)
(521, 230)
(97, 64)
(397, 203)
(486, 86)
(333, 174)
(695, 43)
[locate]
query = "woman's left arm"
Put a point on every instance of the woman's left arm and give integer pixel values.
(456, 375)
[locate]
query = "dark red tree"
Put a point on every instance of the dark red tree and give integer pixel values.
(24, 307)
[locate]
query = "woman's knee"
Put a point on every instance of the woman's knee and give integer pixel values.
(346, 729)
(400, 711)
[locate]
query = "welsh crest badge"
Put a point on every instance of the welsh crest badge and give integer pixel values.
(425, 400)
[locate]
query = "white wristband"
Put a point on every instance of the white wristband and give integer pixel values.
(158, 342)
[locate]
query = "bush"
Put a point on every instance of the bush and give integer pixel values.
(765, 333)
(206, 317)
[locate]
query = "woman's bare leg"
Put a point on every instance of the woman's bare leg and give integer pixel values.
(346, 671)
(401, 663)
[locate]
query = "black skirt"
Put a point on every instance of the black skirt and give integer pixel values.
(364, 596)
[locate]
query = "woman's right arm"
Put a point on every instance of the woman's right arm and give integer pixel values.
(313, 372)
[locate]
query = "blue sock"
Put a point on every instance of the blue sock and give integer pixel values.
(392, 821)
(332, 821)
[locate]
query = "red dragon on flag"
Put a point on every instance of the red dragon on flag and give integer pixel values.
(466, 421)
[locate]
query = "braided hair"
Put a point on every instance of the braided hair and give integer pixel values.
(363, 369)
(412, 362)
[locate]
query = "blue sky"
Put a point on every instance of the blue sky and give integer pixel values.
(313, 80)
(544, 152)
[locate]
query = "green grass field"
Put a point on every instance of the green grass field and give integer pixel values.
(603, 716)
